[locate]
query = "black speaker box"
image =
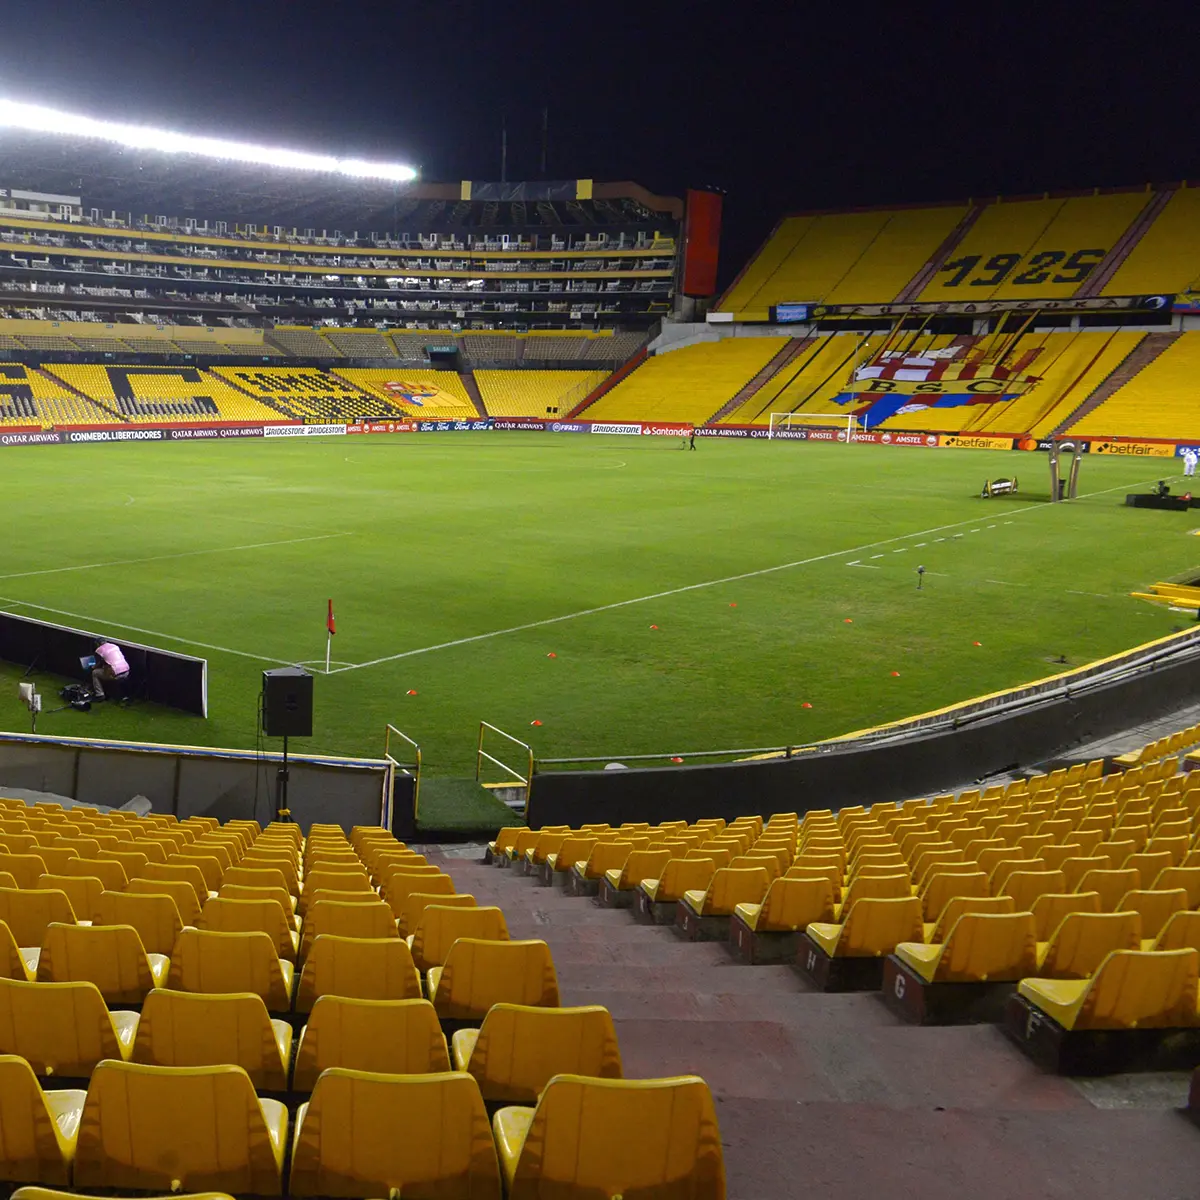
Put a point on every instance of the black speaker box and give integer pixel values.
(287, 702)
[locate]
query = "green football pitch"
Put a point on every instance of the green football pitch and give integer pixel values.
(591, 595)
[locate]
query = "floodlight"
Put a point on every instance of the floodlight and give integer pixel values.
(40, 119)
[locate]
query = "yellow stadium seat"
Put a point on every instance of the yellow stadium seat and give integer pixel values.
(81, 890)
(479, 973)
(62, 1029)
(519, 1048)
(396, 1037)
(260, 877)
(1155, 908)
(197, 1128)
(613, 1137)
(369, 920)
(345, 1141)
(680, 875)
(871, 928)
(26, 869)
(980, 948)
(1131, 989)
(15, 963)
(943, 887)
(214, 962)
(333, 881)
(252, 916)
(505, 839)
(441, 925)
(729, 887)
(182, 894)
(186, 1029)
(1110, 884)
(936, 932)
(110, 956)
(38, 1129)
(1083, 939)
(155, 917)
(641, 864)
(181, 872)
(111, 874)
(1050, 909)
(357, 968)
(789, 905)
(415, 904)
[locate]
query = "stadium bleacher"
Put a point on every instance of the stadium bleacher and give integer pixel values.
(141, 394)
(31, 397)
(530, 393)
(306, 393)
(417, 392)
(1158, 402)
(93, 1043)
(691, 384)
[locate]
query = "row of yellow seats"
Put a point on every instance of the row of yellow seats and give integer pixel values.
(205, 1128)
(1172, 744)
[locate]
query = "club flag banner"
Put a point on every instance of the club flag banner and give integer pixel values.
(329, 622)
(896, 382)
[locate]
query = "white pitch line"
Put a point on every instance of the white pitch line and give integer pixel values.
(695, 587)
(126, 562)
(170, 637)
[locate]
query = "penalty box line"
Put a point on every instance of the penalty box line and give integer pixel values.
(694, 587)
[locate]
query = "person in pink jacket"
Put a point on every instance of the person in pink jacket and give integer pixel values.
(110, 665)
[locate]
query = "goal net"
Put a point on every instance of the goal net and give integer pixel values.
(843, 422)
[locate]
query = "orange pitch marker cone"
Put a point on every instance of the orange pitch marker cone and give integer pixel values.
(535, 722)
(895, 673)
(676, 758)
(847, 620)
(551, 655)
(733, 604)
(806, 705)
(412, 691)
(653, 626)
(976, 643)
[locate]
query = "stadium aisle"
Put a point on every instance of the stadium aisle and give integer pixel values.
(817, 1091)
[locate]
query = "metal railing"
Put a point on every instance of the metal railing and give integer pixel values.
(413, 768)
(525, 780)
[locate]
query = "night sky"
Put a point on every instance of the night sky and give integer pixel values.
(784, 106)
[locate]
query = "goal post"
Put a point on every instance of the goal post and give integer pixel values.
(843, 421)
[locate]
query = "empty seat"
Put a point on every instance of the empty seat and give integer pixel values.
(13, 963)
(399, 885)
(252, 916)
(186, 1029)
(479, 973)
(370, 920)
(519, 1048)
(62, 1029)
(1026, 886)
(111, 874)
(396, 1037)
(156, 918)
(1155, 908)
(613, 1137)
(937, 932)
(1082, 940)
(180, 871)
(110, 956)
(179, 1129)
(1050, 909)
(37, 1129)
(214, 962)
(1111, 884)
(729, 886)
(641, 864)
(1131, 989)
(981, 948)
(871, 928)
(415, 904)
(211, 869)
(333, 881)
(279, 895)
(346, 1141)
(359, 968)
(874, 887)
(605, 856)
(183, 894)
(441, 925)
(255, 877)
(789, 905)
(24, 868)
(83, 892)
(1187, 878)
(946, 885)
(1179, 933)
(680, 875)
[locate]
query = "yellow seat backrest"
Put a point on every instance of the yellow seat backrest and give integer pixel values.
(396, 1037)
(683, 875)
(519, 1048)
(989, 947)
(415, 903)
(1050, 908)
(183, 894)
(249, 916)
(1143, 990)
(479, 973)
(61, 1029)
(643, 864)
(110, 956)
(1082, 940)
(731, 886)
(213, 961)
(872, 926)
(360, 968)
(24, 868)
(196, 1128)
(613, 1137)
(187, 1029)
(441, 925)
(83, 892)
(607, 855)
(941, 888)
(792, 904)
(877, 887)
(369, 920)
(346, 1143)
(155, 917)
(958, 906)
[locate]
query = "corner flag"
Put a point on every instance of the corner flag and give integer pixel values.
(330, 630)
